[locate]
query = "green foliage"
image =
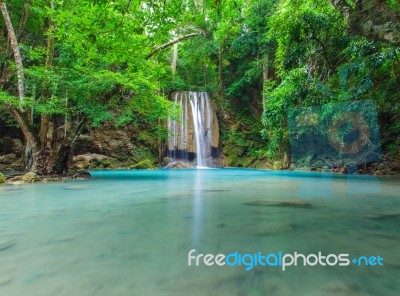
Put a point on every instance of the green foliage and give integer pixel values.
(254, 55)
(2, 178)
(143, 165)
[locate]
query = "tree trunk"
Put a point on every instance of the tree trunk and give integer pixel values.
(20, 116)
(46, 157)
(174, 58)
(265, 79)
(15, 48)
(23, 20)
(220, 71)
(287, 158)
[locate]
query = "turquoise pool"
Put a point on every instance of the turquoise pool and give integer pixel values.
(129, 233)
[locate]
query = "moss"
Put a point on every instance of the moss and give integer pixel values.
(30, 177)
(278, 165)
(101, 163)
(2, 178)
(143, 165)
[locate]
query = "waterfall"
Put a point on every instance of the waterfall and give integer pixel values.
(194, 134)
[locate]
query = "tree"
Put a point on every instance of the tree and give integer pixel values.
(88, 67)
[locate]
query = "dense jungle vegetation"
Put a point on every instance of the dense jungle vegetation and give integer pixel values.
(68, 65)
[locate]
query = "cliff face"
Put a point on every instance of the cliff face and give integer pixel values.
(373, 19)
(105, 147)
(113, 147)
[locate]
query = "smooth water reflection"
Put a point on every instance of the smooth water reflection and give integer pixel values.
(129, 233)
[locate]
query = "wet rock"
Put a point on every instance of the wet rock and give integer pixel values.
(166, 161)
(52, 179)
(340, 289)
(6, 244)
(5, 280)
(274, 229)
(178, 165)
(382, 216)
(76, 187)
(273, 203)
(30, 177)
(80, 175)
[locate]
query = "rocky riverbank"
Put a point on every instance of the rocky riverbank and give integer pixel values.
(31, 177)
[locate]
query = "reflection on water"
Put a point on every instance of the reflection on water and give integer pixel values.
(129, 233)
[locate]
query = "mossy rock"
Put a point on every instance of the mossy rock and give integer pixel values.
(278, 165)
(2, 178)
(143, 165)
(30, 177)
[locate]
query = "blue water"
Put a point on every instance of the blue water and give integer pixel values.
(129, 233)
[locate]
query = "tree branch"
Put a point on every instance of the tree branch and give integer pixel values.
(172, 42)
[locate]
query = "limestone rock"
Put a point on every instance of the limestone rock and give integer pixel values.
(178, 165)
(11, 146)
(278, 165)
(88, 160)
(8, 158)
(30, 177)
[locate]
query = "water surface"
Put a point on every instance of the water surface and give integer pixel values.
(129, 233)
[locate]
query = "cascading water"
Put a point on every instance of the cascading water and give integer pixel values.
(194, 135)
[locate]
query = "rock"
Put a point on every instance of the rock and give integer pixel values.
(6, 244)
(274, 229)
(340, 169)
(166, 161)
(178, 165)
(2, 178)
(88, 160)
(11, 146)
(340, 289)
(273, 203)
(143, 165)
(395, 166)
(5, 281)
(80, 175)
(278, 165)
(30, 177)
(8, 158)
(220, 161)
(382, 216)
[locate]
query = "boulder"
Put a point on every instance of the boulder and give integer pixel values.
(395, 166)
(178, 165)
(88, 160)
(8, 158)
(30, 177)
(278, 165)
